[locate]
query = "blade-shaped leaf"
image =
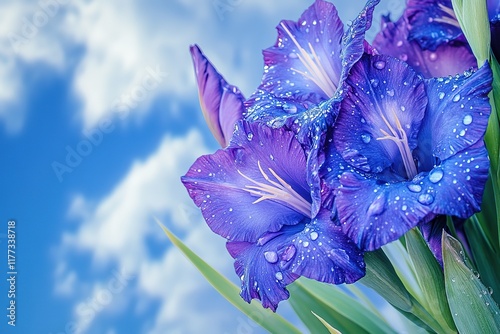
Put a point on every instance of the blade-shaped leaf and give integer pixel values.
(327, 325)
(430, 278)
(345, 305)
(267, 319)
(472, 308)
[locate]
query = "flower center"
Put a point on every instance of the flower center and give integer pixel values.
(398, 136)
(315, 71)
(280, 192)
(451, 19)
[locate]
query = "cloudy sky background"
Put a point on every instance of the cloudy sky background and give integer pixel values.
(98, 120)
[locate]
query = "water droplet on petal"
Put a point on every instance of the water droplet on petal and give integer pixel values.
(292, 55)
(433, 56)
(390, 92)
(366, 138)
(456, 98)
(467, 120)
(426, 199)
(442, 95)
(250, 136)
(380, 65)
(279, 276)
(374, 82)
(314, 235)
(288, 253)
(415, 188)
(290, 108)
(305, 243)
(271, 257)
(377, 207)
(436, 175)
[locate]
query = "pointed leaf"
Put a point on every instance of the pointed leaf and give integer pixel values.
(327, 325)
(430, 278)
(472, 307)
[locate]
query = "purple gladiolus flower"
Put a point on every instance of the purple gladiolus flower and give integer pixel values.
(221, 103)
(254, 193)
(404, 149)
(446, 59)
(307, 66)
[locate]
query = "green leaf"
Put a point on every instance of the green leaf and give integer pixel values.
(473, 18)
(304, 303)
(269, 320)
(343, 304)
(381, 277)
(327, 325)
(431, 280)
(486, 259)
(472, 307)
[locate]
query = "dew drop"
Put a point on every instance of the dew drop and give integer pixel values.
(271, 157)
(456, 98)
(366, 138)
(374, 82)
(415, 188)
(403, 57)
(314, 235)
(288, 253)
(292, 55)
(436, 175)
(305, 243)
(390, 92)
(467, 120)
(426, 199)
(271, 257)
(250, 136)
(377, 207)
(442, 95)
(279, 276)
(433, 56)
(379, 65)
(290, 108)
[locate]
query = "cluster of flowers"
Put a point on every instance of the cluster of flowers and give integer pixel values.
(345, 146)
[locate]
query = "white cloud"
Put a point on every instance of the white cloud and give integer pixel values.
(115, 232)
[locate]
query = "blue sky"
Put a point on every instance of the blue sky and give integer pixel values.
(98, 120)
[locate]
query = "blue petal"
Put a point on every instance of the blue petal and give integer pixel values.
(374, 213)
(447, 59)
(382, 89)
(317, 250)
(456, 116)
(221, 103)
(218, 183)
(317, 37)
(432, 232)
(432, 23)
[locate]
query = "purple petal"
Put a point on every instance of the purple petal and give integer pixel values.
(432, 23)
(386, 96)
(447, 59)
(495, 36)
(219, 183)
(305, 63)
(317, 250)
(432, 232)
(374, 213)
(353, 42)
(221, 103)
(456, 116)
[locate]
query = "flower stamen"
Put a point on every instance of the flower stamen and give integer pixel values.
(401, 140)
(451, 20)
(279, 191)
(314, 68)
